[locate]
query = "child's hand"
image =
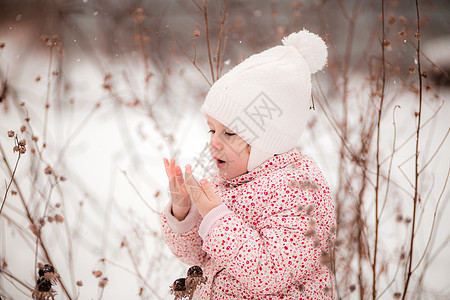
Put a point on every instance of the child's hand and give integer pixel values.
(202, 195)
(180, 197)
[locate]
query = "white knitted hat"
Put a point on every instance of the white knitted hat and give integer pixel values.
(265, 99)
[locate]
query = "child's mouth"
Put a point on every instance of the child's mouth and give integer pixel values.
(220, 163)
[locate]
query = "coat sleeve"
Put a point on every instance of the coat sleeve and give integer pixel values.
(287, 242)
(182, 238)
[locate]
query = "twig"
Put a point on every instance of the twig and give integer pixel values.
(12, 177)
(138, 193)
(437, 150)
(434, 220)
(390, 163)
(416, 184)
(139, 275)
(30, 218)
(47, 98)
(219, 41)
(377, 184)
(24, 284)
(205, 15)
(185, 54)
(412, 135)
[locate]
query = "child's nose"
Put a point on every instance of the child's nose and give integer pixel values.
(216, 143)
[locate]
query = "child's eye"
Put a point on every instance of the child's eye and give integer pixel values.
(230, 133)
(211, 131)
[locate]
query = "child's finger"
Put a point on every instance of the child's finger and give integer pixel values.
(172, 180)
(208, 190)
(194, 189)
(189, 178)
(169, 169)
(179, 177)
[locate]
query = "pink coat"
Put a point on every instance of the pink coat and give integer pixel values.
(268, 240)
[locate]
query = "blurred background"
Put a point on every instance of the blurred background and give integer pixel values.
(101, 91)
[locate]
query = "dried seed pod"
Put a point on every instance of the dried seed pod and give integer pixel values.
(97, 273)
(194, 278)
(195, 271)
(47, 277)
(49, 273)
(48, 170)
(59, 218)
(178, 288)
(43, 285)
(102, 283)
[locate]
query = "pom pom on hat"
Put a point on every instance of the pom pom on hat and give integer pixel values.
(310, 46)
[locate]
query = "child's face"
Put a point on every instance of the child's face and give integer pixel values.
(229, 150)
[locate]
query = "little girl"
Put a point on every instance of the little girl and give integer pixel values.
(263, 228)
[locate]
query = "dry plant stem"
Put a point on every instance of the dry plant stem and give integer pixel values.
(343, 124)
(11, 276)
(111, 262)
(101, 293)
(74, 134)
(138, 193)
(47, 98)
(69, 238)
(205, 15)
(431, 258)
(139, 275)
(21, 230)
(433, 223)
(11, 180)
(219, 42)
(191, 294)
(388, 180)
(413, 134)
(38, 236)
(416, 183)
(377, 185)
(185, 54)
(108, 212)
(219, 72)
(360, 231)
(137, 30)
(435, 152)
(30, 219)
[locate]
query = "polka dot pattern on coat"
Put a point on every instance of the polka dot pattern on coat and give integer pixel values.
(277, 243)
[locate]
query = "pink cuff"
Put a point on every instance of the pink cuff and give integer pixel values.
(212, 219)
(181, 227)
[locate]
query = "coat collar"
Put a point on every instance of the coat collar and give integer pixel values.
(271, 165)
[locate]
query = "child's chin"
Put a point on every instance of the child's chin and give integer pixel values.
(226, 174)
